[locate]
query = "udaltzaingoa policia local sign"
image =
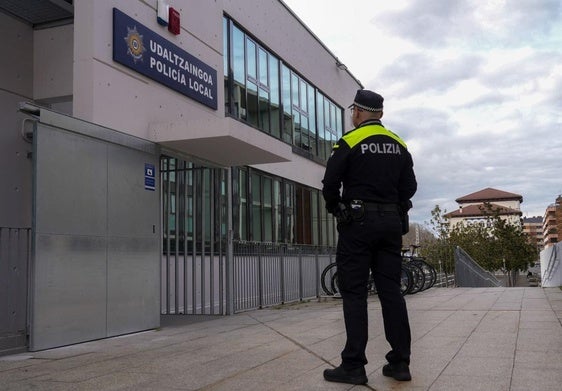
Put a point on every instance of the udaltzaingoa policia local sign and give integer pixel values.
(146, 52)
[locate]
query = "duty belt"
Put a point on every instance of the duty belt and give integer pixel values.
(375, 206)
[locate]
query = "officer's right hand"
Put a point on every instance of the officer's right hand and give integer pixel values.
(342, 214)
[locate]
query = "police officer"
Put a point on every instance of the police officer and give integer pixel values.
(376, 171)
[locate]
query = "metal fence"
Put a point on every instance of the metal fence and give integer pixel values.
(192, 285)
(468, 273)
(263, 275)
(444, 280)
(15, 247)
(267, 274)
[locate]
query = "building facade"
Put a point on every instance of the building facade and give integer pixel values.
(475, 208)
(552, 223)
(153, 135)
(533, 227)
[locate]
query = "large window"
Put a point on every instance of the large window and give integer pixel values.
(194, 205)
(266, 93)
(288, 124)
(266, 208)
(271, 209)
(251, 81)
(329, 125)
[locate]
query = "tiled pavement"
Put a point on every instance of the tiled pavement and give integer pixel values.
(463, 339)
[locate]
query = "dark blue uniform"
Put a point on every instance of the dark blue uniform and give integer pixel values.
(374, 166)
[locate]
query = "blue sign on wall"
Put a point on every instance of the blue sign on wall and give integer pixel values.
(146, 52)
(149, 177)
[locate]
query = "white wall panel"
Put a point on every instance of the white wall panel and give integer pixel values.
(16, 61)
(53, 58)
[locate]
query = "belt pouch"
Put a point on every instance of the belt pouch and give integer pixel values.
(357, 209)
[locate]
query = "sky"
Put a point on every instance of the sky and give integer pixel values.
(473, 87)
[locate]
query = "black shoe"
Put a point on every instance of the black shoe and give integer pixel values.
(350, 376)
(399, 371)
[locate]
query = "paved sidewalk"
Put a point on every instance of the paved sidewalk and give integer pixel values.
(463, 339)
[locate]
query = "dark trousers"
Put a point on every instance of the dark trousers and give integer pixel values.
(372, 244)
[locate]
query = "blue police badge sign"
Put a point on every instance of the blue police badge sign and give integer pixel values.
(135, 44)
(144, 51)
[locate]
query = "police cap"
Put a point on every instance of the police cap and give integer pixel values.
(368, 100)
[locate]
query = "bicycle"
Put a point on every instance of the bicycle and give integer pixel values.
(429, 270)
(426, 275)
(417, 275)
(418, 280)
(329, 281)
(326, 283)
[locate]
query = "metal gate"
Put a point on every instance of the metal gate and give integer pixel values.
(95, 244)
(194, 232)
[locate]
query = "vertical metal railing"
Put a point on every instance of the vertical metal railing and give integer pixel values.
(267, 274)
(194, 239)
(204, 270)
(444, 280)
(15, 255)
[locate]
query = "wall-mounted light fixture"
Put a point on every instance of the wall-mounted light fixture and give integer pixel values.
(341, 65)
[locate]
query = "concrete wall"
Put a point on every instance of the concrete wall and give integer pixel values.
(16, 85)
(35, 65)
(52, 64)
(551, 266)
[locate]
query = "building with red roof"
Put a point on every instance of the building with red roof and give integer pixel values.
(479, 206)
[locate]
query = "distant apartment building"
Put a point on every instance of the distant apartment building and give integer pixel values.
(473, 207)
(552, 223)
(533, 227)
